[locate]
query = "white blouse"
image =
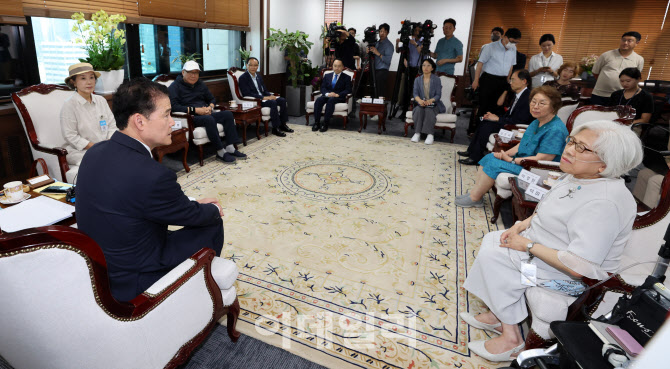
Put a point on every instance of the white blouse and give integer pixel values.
(554, 61)
(80, 121)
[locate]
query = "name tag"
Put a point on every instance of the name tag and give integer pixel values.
(367, 100)
(528, 177)
(103, 126)
(177, 125)
(378, 101)
(529, 274)
(536, 191)
(39, 179)
(248, 104)
(505, 135)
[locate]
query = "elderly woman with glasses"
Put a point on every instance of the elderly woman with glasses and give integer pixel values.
(543, 140)
(580, 229)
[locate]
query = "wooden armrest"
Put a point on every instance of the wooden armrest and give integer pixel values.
(179, 114)
(42, 163)
(59, 151)
(527, 164)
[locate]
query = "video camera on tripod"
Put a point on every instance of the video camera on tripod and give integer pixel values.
(407, 31)
(427, 33)
(333, 35)
(370, 35)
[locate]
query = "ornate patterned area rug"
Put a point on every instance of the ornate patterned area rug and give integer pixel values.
(350, 249)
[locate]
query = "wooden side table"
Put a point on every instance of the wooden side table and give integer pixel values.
(179, 141)
(523, 205)
(244, 117)
(368, 109)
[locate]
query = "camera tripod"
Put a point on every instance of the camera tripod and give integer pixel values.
(367, 66)
(404, 76)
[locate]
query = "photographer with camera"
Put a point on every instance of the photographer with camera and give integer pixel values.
(345, 47)
(449, 49)
(383, 53)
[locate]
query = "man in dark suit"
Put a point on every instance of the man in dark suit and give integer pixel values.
(334, 89)
(518, 113)
(251, 84)
(126, 200)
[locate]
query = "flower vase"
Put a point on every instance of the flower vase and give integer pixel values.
(108, 82)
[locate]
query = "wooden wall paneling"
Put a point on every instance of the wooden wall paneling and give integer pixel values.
(15, 155)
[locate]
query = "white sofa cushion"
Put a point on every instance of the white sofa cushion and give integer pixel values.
(338, 107)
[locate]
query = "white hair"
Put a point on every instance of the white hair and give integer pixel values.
(617, 146)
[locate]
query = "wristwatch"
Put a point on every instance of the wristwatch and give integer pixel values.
(530, 246)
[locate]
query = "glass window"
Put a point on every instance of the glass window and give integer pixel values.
(220, 49)
(12, 67)
(160, 46)
(55, 48)
(147, 48)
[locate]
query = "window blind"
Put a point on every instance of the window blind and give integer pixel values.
(334, 10)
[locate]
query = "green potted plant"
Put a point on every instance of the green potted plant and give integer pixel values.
(183, 58)
(244, 54)
(296, 46)
(294, 43)
(104, 43)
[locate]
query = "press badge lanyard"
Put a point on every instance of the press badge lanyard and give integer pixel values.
(103, 124)
(544, 76)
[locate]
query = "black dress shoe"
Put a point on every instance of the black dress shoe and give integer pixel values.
(463, 153)
(467, 161)
(277, 132)
(316, 127)
(285, 128)
(324, 128)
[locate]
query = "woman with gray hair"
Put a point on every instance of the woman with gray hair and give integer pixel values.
(579, 229)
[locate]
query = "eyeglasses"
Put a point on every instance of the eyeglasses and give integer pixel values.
(541, 104)
(579, 147)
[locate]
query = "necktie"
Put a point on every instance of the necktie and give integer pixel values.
(514, 104)
(334, 80)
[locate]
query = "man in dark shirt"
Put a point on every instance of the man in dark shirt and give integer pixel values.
(188, 94)
(346, 48)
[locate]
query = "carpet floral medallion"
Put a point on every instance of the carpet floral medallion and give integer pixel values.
(350, 249)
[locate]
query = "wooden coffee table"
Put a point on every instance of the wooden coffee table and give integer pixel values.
(369, 109)
(65, 222)
(523, 205)
(179, 141)
(244, 117)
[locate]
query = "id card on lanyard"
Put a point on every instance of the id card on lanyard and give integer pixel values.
(103, 124)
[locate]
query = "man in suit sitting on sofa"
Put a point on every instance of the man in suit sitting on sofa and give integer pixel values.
(126, 199)
(518, 113)
(251, 84)
(334, 89)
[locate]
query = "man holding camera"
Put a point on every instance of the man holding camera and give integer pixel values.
(449, 49)
(412, 63)
(383, 52)
(346, 48)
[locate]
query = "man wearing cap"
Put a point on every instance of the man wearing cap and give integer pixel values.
(188, 94)
(85, 118)
(251, 84)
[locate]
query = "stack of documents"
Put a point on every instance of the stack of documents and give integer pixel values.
(38, 212)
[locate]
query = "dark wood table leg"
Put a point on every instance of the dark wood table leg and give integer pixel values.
(380, 121)
(244, 132)
(183, 160)
(258, 129)
(360, 120)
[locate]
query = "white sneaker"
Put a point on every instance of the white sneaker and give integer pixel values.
(429, 140)
(416, 137)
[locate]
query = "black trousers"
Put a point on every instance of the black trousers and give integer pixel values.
(277, 118)
(490, 89)
(209, 122)
(477, 148)
(330, 108)
(179, 246)
(381, 75)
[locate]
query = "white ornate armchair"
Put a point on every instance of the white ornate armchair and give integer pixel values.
(57, 310)
(445, 121)
(39, 108)
(233, 82)
(341, 109)
(196, 135)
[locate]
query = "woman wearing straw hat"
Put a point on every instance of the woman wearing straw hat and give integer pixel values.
(85, 118)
